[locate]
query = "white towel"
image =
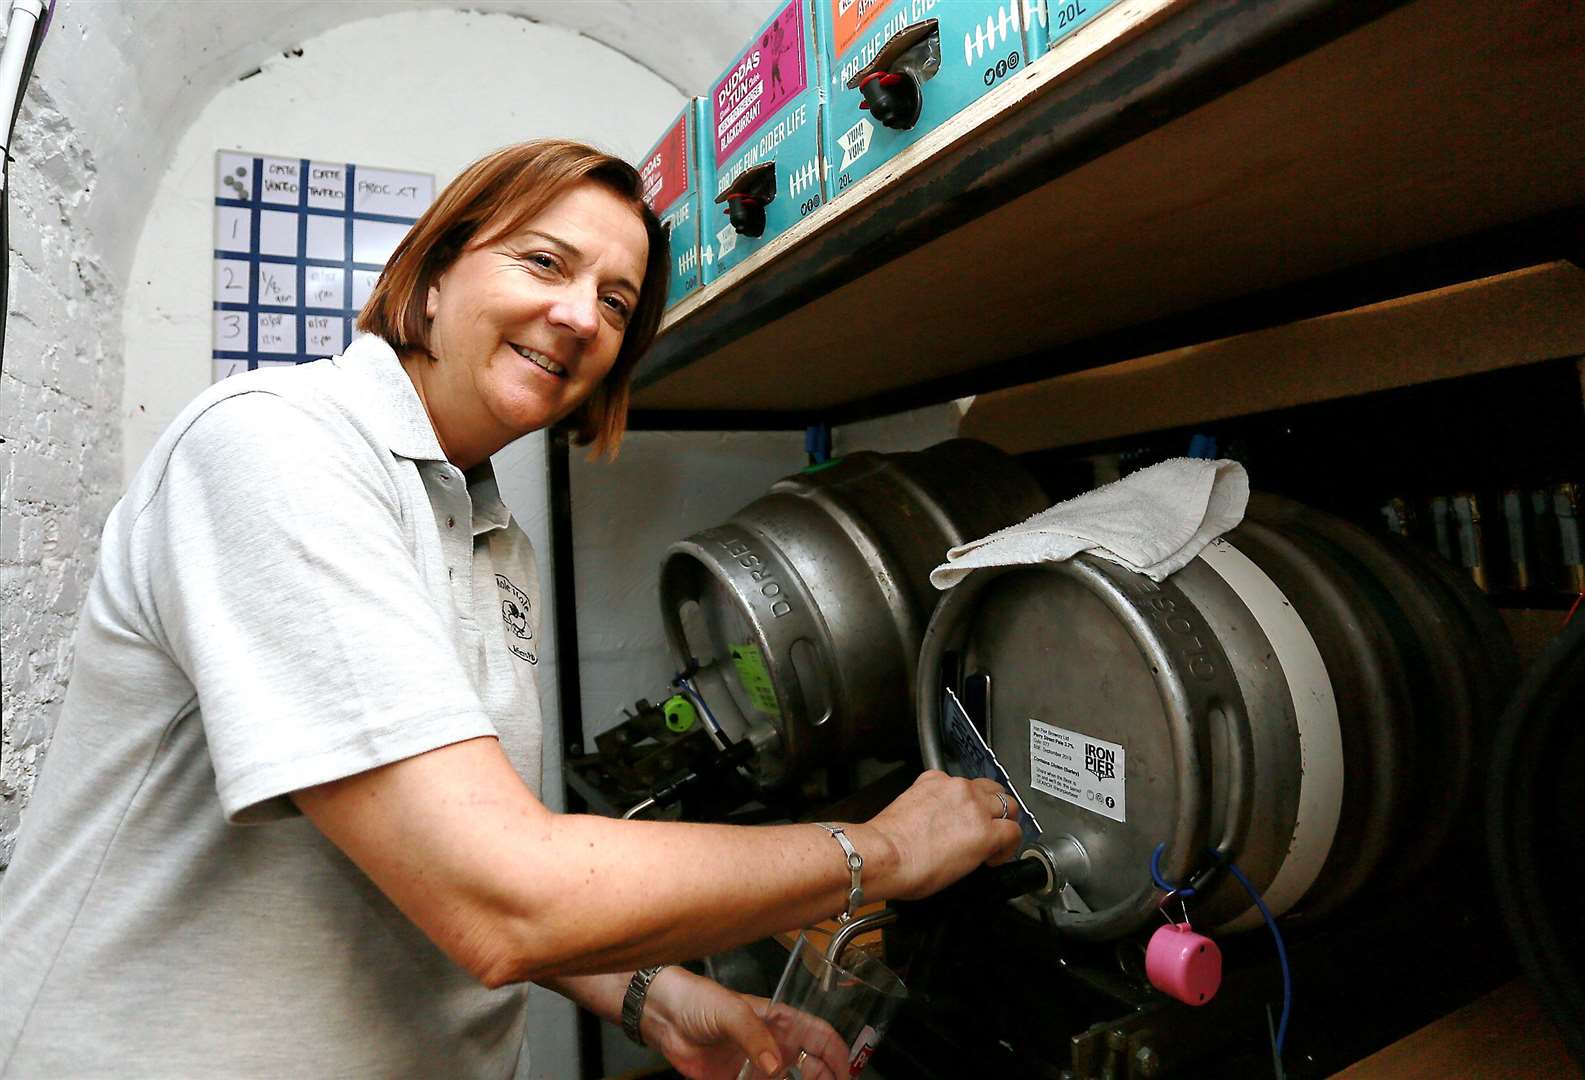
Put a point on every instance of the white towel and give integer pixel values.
(1152, 521)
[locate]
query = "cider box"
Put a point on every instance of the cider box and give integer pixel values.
(672, 186)
(897, 69)
(762, 142)
(1049, 21)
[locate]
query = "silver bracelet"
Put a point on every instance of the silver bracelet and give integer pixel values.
(633, 1001)
(855, 869)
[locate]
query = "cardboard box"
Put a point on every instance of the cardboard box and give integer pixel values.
(1049, 21)
(763, 153)
(673, 186)
(927, 59)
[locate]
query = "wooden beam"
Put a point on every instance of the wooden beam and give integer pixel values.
(1502, 321)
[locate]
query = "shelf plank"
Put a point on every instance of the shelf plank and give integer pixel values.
(1507, 320)
(1504, 1034)
(1161, 175)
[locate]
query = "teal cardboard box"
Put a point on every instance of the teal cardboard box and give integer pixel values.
(672, 186)
(898, 69)
(1049, 21)
(762, 158)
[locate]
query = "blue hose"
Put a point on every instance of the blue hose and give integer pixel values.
(1271, 922)
(1282, 955)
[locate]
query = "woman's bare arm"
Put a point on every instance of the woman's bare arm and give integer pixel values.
(512, 891)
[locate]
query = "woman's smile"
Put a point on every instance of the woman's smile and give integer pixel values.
(539, 359)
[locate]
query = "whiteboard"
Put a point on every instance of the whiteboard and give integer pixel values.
(299, 245)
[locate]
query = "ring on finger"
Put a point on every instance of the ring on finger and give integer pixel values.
(1003, 800)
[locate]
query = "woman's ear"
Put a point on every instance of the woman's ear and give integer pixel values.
(431, 302)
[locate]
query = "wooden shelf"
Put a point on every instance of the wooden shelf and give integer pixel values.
(1504, 1034)
(1180, 171)
(1507, 320)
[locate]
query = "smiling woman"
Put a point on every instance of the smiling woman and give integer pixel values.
(525, 326)
(546, 251)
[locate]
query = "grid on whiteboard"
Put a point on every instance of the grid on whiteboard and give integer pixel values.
(298, 247)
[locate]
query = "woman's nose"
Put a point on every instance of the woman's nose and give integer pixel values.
(577, 311)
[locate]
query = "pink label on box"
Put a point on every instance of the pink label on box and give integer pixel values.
(665, 172)
(769, 75)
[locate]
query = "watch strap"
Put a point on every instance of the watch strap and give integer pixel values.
(633, 1001)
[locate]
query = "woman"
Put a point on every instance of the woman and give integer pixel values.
(289, 823)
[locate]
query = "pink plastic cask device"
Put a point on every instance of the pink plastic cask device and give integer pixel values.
(1184, 964)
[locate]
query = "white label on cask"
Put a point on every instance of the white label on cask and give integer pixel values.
(1077, 768)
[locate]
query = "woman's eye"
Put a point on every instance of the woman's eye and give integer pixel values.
(543, 261)
(618, 305)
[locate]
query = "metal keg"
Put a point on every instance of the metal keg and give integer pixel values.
(801, 616)
(1536, 828)
(1304, 699)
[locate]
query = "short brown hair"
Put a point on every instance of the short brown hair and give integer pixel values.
(503, 192)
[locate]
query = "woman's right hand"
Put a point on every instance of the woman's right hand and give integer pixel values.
(706, 1030)
(943, 827)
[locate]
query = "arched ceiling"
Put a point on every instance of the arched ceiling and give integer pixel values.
(130, 75)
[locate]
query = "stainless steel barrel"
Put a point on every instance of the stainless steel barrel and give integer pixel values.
(1304, 699)
(803, 613)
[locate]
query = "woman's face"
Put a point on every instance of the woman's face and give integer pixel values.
(526, 325)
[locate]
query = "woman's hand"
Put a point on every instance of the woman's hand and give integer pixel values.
(706, 1030)
(942, 827)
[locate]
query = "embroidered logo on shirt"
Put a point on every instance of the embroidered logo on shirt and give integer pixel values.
(516, 612)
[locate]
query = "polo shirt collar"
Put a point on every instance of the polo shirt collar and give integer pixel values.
(408, 430)
(489, 511)
(406, 425)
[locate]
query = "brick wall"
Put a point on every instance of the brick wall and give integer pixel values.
(60, 459)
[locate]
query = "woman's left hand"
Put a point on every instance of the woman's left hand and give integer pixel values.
(706, 1030)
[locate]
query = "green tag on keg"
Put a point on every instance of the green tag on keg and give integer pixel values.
(756, 680)
(820, 466)
(680, 714)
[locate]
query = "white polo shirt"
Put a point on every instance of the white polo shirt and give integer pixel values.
(297, 587)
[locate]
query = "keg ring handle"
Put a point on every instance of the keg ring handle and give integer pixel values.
(1242, 771)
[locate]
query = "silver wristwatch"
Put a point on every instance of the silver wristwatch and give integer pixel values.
(855, 869)
(633, 1001)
